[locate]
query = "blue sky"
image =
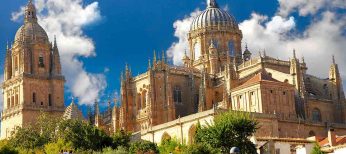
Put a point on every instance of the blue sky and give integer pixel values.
(127, 31)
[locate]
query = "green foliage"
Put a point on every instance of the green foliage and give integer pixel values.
(171, 145)
(58, 146)
(109, 150)
(317, 149)
(121, 138)
(140, 147)
(26, 138)
(83, 136)
(5, 148)
(229, 129)
(201, 149)
(35, 136)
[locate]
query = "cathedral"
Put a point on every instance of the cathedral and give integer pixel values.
(168, 100)
(33, 82)
(218, 75)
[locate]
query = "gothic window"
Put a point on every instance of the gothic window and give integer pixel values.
(16, 63)
(34, 97)
(197, 49)
(144, 99)
(316, 115)
(17, 100)
(12, 101)
(50, 100)
(196, 103)
(177, 95)
(8, 102)
(231, 48)
(40, 61)
(139, 101)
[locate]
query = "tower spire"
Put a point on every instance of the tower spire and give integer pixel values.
(154, 59)
(212, 3)
(55, 44)
(294, 54)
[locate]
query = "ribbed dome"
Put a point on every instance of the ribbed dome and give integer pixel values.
(30, 32)
(213, 16)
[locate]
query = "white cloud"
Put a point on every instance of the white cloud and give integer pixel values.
(309, 7)
(182, 27)
(317, 43)
(65, 19)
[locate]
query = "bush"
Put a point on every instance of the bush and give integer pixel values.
(141, 147)
(171, 145)
(57, 147)
(200, 149)
(5, 148)
(121, 138)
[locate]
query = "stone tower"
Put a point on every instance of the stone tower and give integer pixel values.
(33, 82)
(218, 28)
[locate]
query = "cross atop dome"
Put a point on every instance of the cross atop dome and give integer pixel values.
(212, 4)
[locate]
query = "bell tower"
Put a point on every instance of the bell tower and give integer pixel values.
(33, 81)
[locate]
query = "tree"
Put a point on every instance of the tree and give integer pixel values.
(121, 138)
(83, 136)
(229, 129)
(26, 138)
(317, 149)
(141, 147)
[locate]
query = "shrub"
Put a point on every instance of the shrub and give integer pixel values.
(140, 147)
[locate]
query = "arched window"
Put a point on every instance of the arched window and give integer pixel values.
(17, 100)
(49, 99)
(312, 133)
(8, 102)
(139, 101)
(286, 81)
(231, 48)
(316, 115)
(197, 49)
(177, 95)
(40, 61)
(144, 99)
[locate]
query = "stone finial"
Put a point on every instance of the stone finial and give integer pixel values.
(294, 54)
(154, 59)
(333, 58)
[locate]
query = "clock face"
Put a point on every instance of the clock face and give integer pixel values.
(197, 50)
